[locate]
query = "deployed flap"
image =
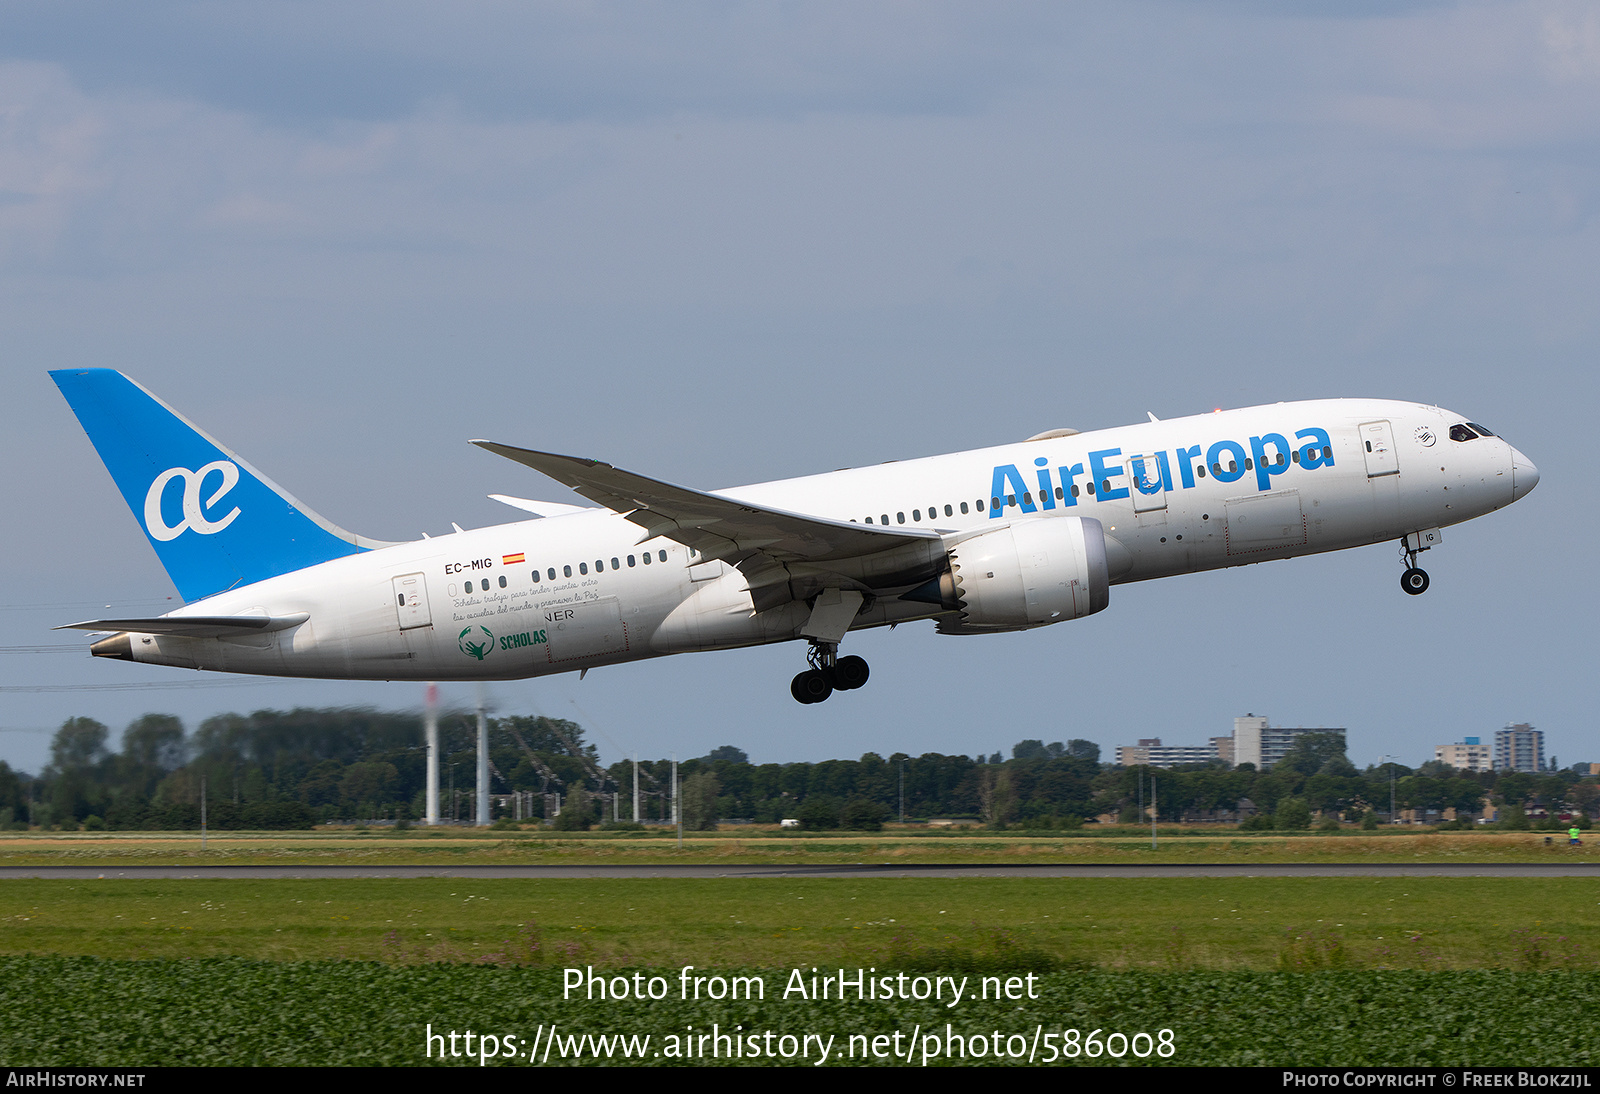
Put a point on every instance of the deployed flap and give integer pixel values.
(193, 626)
(716, 526)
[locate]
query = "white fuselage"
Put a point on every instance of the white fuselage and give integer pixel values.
(574, 591)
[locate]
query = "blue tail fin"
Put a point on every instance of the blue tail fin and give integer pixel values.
(214, 521)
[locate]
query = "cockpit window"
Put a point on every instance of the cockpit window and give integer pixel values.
(1460, 432)
(1480, 429)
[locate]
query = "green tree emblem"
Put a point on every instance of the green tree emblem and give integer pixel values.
(467, 640)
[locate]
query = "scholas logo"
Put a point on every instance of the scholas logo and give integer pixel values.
(475, 642)
(1112, 476)
(195, 517)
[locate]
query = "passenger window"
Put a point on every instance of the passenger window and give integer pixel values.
(886, 518)
(1059, 495)
(468, 586)
(583, 567)
(1074, 489)
(1295, 456)
(1281, 460)
(963, 508)
(647, 558)
(949, 512)
(1249, 464)
(552, 572)
(1233, 467)
(599, 565)
(1027, 497)
(901, 517)
(1201, 471)
(1091, 489)
(615, 565)
(1327, 451)
(630, 562)
(869, 520)
(1105, 486)
(1216, 469)
(567, 570)
(663, 555)
(916, 514)
(502, 581)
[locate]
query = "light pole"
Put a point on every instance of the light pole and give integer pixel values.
(1391, 786)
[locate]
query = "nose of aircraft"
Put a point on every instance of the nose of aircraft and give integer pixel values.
(1524, 476)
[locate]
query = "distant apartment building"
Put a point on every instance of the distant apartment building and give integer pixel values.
(1256, 742)
(1467, 754)
(1519, 747)
(1150, 752)
(1253, 741)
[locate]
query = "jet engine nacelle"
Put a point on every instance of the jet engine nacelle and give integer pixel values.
(1030, 573)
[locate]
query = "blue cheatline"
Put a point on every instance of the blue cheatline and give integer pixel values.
(214, 521)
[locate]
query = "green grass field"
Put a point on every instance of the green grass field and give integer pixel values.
(1115, 923)
(1242, 971)
(752, 846)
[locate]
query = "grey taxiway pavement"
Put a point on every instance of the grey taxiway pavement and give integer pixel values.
(855, 870)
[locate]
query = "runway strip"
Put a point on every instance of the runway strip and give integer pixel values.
(857, 870)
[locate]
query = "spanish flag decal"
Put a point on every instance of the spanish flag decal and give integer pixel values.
(512, 560)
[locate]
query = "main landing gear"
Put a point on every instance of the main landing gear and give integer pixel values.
(828, 673)
(1415, 579)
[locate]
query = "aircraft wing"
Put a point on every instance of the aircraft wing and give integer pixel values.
(716, 526)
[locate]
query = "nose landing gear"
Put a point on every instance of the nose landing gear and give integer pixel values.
(1415, 579)
(828, 673)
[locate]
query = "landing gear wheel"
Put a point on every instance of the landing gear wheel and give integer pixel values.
(811, 686)
(1414, 581)
(850, 673)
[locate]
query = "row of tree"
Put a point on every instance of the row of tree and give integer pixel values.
(277, 769)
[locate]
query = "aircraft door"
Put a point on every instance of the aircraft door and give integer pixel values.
(411, 601)
(1377, 444)
(1149, 477)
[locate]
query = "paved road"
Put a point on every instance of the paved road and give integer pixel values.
(858, 870)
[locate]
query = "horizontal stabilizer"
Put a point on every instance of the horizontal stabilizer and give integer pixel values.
(541, 508)
(194, 626)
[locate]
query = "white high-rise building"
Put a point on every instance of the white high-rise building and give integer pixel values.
(1518, 747)
(1256, 742)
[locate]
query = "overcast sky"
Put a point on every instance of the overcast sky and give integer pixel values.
(724, 243)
